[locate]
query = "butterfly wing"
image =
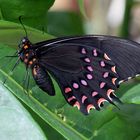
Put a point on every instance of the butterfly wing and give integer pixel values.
(89, 69)
(124, 53)
(85, 75)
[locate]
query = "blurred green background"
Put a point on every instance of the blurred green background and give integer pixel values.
(36, 115)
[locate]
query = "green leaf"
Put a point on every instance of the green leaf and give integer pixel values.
(33, 12)
(126, 25)
(133, 95)
(68, 121)
(82, 7)
(15, 122)
(125, 87)
(69, 23)
(130, 113)
(11, 33)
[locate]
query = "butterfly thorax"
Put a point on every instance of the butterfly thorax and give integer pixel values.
(26, 54)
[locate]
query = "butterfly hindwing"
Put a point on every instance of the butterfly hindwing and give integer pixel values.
(91, 83)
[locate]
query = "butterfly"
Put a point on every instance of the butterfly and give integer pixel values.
(88, 69)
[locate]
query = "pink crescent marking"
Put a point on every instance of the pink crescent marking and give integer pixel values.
(77, 104)
(89, 107)
(109, 91)
(94, 93)
(75, 85)
(67, 90)
(113, 80)
(83, 51)
(100, 101)
(84, 98)
(87, 60)
(90, 68)
(84, 82)
(105, 75)
(102, 84)
(113, 69)
(89, 76)
(71, 98)
(106, 56)
(95, 52)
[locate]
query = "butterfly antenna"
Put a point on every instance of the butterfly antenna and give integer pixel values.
(20, 20)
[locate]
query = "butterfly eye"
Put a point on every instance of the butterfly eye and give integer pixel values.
(23, 40)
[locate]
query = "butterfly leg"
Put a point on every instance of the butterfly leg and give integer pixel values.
(26, 81)
(11, 72)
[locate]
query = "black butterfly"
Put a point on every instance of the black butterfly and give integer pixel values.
(88, 69)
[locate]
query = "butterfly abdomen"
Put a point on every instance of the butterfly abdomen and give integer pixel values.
(43, 79)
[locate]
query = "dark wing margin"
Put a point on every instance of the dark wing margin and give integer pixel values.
(125, 54)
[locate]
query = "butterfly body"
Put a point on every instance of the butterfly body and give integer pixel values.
(88, 69)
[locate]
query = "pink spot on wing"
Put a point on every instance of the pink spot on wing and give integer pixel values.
(71, 98)
(105, 75)
(67, 90)
(83, 51)
(89, 76)
(75, 85)
(84, 82)
(102, 63)
(102, 84)
(90, 68)
(95, 52)
(84, 98)
(87, 60)
(94, 93)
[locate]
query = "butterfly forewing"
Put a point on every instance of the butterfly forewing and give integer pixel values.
(126, 56)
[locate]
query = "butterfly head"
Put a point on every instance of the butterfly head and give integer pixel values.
(23, 46)
(24, 43)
